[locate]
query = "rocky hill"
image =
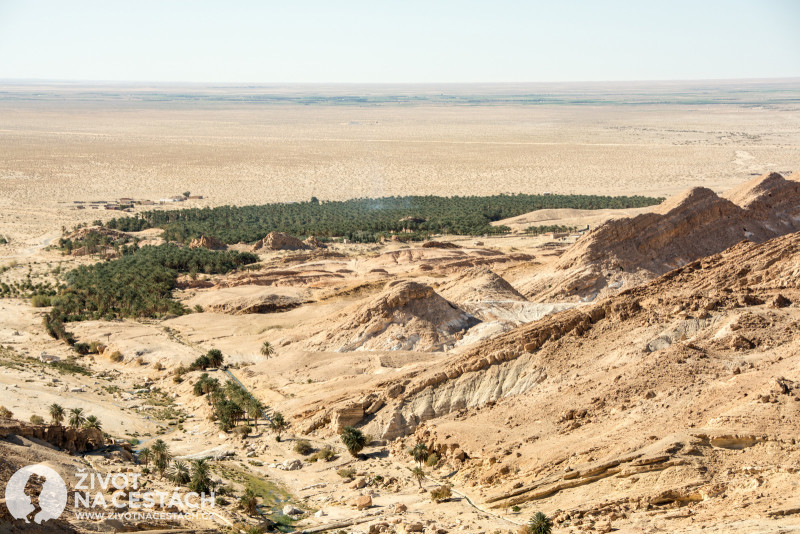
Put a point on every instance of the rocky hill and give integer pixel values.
(624, 252)
(405, 316)
(679, 396)
(280, 241)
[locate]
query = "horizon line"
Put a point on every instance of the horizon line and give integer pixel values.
(43, 81)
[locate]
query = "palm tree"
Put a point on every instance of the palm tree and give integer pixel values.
(76, 417)
(145, 455)
(179, 472)
(267, 349)
(56, 413)
(278, 424)
(420, 453)
(92, 422)
(201, 476)
(254, 409)
(161, 456)
(353, 439)
(540, 524)
(249, 502)
(418, 474)
(215, 358)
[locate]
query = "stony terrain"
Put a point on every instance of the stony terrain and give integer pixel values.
(640, 376)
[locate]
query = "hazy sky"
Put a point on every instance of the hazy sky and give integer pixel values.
(398, 41)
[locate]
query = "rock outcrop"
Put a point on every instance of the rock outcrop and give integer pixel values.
(280, 241)
(255, 304)
(313, 242)
(70, 439)
(210, 243)
(624, 252)
(405, 316)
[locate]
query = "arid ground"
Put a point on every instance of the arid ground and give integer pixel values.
(638, 377)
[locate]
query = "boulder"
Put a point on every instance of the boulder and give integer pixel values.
(362, 502)
(280, 241)
(207, 242)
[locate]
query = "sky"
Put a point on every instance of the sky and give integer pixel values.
(388, 41)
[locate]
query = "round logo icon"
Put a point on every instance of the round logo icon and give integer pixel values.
(22, 499)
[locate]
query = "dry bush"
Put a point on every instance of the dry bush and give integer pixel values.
(116, 356)
(303, 447)
(442, 493)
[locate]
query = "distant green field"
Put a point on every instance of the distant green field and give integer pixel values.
(364, 220)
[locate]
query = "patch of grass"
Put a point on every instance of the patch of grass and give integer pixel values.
(272, 496)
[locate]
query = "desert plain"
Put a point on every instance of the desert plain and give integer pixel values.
(640, 376)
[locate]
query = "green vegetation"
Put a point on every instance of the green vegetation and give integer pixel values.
(540, 524)
(303, 446)
(136, 285)
(56, 413)
(418, 474)
(205, 385)
(76, 418)
(362, 220)
(96, 242)
(420, 453)
(213, 358)
(278, 425)
(539, 230)
(325, 453)
(272, 496)
(347, 472)
(267, 349)
(40, 301)
(37, 419)
(161, 456)
(92, 422)
(231, 404)
(354, 440)
(12, 360)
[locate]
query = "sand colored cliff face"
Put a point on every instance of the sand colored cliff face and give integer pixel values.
(623, 252)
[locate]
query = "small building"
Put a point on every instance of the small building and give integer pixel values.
(196, 197)
(557, 235)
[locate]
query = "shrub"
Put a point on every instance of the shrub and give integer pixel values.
(40, 301)
(242, 431)
(96, 348)
(37, 419)
(158, 366)
(303, 447)
(432, 460)
(5, 413)
(81, 348)
(116, 356)
(442, 493)
(325, 453)
(346, 472)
